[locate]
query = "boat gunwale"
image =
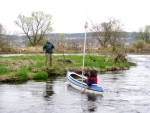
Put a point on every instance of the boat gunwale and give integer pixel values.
(81, 77)
(69, 77)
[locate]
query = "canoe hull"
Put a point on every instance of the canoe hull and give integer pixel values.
(75, 81)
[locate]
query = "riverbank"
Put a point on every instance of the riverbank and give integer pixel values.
(39, 50)
(25, 67)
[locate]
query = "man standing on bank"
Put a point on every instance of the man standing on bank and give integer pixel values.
(48, 50)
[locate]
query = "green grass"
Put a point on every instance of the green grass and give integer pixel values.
(23, 67)
(37, 62)
(4, 70)
(30, 67)
(58, 69)
(28, 57)
(40, 76)
(22, 75)
(4, 64)
(127, 65)
(93, 61)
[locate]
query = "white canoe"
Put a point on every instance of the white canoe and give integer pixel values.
(76, 81)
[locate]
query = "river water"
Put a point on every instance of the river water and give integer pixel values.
(125, 91)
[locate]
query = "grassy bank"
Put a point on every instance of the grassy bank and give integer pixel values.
(32, 67)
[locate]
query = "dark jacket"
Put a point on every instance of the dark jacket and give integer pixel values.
(48, 47)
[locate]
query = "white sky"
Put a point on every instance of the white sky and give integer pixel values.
(69, 16)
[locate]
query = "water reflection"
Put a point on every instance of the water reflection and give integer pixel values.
(92, 99)
(15, 82)
(49, 86)
(90, 102)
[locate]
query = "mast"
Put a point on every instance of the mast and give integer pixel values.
(85, 26)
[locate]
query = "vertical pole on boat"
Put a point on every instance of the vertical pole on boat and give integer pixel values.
(85, 26)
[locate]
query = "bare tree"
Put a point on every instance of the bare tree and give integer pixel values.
(110, 36)
(8, 40)
(2, 42)
(143, 34)
(59, 40)
(107, 33)
(1, 29)
(35, 27)
(3, 39)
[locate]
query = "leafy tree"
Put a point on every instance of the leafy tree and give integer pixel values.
(35, 27)
(143, 34)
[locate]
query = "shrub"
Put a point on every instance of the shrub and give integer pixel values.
(41, 42)
(40, 76)
(22, 75)
(139, 44)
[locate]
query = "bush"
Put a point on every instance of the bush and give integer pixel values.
(40, 76)
(22, 75)
(139, 44)
(41, 42)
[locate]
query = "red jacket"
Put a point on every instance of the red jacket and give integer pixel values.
(93, 78)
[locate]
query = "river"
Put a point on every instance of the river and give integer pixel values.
(125, 91)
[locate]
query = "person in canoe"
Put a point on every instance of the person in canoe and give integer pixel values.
(91, 79)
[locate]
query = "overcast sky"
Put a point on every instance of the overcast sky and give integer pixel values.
(69, 16)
